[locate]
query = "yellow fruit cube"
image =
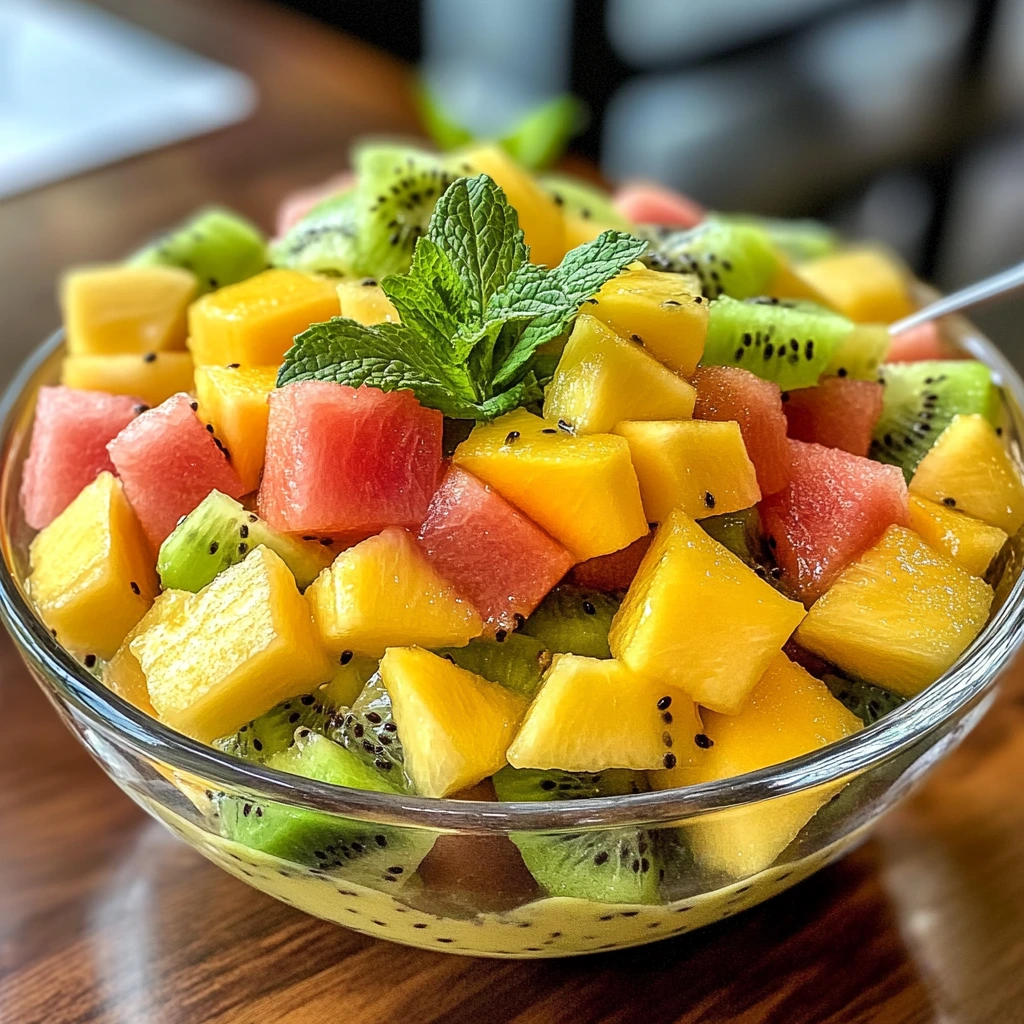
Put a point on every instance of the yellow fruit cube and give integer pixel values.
(383, 592)
(124, 310)
(664, 311)
(899, 616)
(699, 466)
(969, 542)
(255, 321)
(789, 713)
(93, 575)
(582, 490)
(602, 378)
(153, 377)
(366, 302)
(233, 650)
(234, 400)
(539, 215)
(589, 715)
(969, 469)
(867, 285)
(697, 618)
(455, 726)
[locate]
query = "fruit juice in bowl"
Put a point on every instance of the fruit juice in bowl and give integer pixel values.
(479, 569)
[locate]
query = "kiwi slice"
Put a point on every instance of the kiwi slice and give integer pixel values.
(367, 730)
(867, 701)
(218, 533)
(516, 784)
(326, 240)
(921, 400)
(573, 620)
(729, 257)
(860, 354)
(365, 852)
(218, 246)
(740, 533)
(518, 662)
(799, 239)
(274, 731)
(588, 202)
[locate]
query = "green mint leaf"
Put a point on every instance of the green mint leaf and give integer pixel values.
(526, 392)
(552, 298)
(479, 231)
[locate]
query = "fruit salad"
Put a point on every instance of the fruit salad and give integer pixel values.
(480, 483)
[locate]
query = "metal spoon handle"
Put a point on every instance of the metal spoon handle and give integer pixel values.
(1003, 283)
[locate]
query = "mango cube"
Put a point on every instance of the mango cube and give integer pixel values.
(153, 377)
(971, 543)
(366, 302)
(866, 285)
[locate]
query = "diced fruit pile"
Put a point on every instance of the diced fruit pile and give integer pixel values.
(472, 477)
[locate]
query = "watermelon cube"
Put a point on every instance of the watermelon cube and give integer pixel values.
(644, 202)
(834, 508)
(69, 447)
(494, 555)
(168, 462)
(348, 461)
(729, 393)
(613, 572)
(838, 413)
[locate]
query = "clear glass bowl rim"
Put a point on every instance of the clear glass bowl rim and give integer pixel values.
(122, 724)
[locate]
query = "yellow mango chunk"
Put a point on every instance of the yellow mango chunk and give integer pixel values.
(124, 310)
(665, 311)
(590, 714)
(92, 575)
(699, 466)
(969, 469)
(539, 215)
(582, 490)
(153, 377)
(366, 302)
(789, 713)
(602, 378)
(698, 618)
(234, 400)
(383, 592)
(233, 650)
(455, 726)
(899, 616)
(255, 321)
(867, 285)
(971, 543)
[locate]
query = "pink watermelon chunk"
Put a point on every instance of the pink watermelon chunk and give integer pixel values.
(613, 572)
(348, 461)
(168, 462)
(838, 413)
(69, 447)
(834, 508)
(644, 202)
(494, 556)
(918, 344)
(729, 393)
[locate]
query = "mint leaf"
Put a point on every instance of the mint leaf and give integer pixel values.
(552, 298)
(479, 231)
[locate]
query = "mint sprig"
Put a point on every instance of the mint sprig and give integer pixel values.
(473, 311)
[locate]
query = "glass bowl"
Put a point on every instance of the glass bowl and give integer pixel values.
(471, 893)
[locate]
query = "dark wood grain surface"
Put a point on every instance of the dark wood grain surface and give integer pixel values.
(105, 918)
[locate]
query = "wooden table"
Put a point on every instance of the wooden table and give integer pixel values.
(105, 918)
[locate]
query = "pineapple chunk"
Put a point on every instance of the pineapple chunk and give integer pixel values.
(366, 302)
(255, 321)
(969, 542)
(899, 616)
(125, 310)
(92, 571)
(969, 469)
(582, 490)
(788, 713)
(602, 378)
(866, 285)
(153, 377)
(699, 466)
(234, 400)
(590, 715)
(539, 215)
(455, 726)
(665, 311)
(383, 592)
(697, 618)
(232, 651)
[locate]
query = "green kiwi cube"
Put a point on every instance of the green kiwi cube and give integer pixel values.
(799, 239)
(867, 701)
(325, 240)
(579, 199)
(573, 620)
(518, 662)
(368, 730)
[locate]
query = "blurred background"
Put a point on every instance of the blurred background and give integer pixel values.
(896, 119)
